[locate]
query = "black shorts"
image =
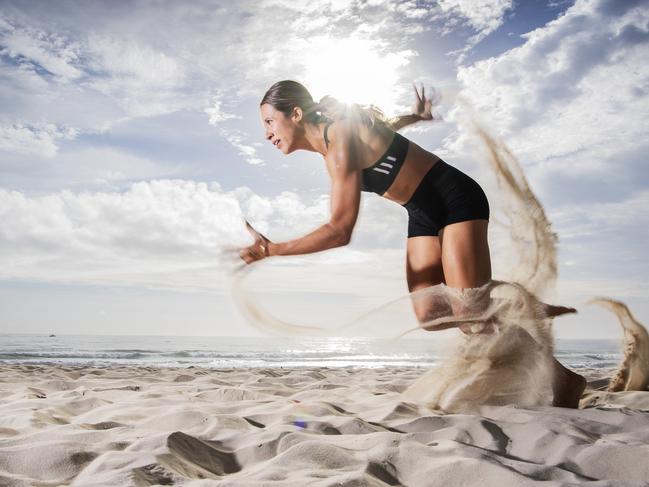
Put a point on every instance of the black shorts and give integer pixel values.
(445, 195)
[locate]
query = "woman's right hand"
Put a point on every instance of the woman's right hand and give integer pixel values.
(258, 250)
(423, 106)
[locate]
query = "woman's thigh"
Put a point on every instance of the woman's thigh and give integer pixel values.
(423, 262)
(466, 262)
(424, 269)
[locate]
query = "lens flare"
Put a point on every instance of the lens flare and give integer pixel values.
(356, 71)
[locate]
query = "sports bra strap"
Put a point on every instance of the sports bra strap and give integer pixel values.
(325, 134)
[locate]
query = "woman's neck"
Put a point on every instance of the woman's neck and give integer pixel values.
(314, 138)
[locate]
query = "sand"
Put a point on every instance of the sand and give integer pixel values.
(138, 426)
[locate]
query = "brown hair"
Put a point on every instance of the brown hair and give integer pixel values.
(286, 95)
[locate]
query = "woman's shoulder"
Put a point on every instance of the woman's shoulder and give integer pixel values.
(348, 130)
(362, 145)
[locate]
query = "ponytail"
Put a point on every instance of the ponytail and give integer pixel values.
(333, 109)
(286, 95)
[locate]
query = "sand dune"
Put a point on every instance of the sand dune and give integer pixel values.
(299, 427)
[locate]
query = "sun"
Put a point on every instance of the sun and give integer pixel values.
(356, 71)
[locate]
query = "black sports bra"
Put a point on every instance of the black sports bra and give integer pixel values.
(378, 177)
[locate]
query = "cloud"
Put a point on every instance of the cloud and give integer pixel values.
(135, 65)
(171, 232)
(55, 76)
(237, 139)
(216, 112)
(570, 104)
(143, 80)
(38, 139)
(153, 228)
(553, 99)
(484, 16)
(89, 66)
(46, 52)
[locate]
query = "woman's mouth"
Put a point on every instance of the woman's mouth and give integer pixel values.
(276, 143)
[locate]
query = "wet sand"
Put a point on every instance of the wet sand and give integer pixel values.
(138, 426)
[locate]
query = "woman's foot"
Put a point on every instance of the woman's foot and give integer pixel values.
(552, 311)
(567, 388)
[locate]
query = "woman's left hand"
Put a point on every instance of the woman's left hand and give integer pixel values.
(258, 250)
(423, 106)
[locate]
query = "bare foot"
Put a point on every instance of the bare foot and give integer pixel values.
(568, 388)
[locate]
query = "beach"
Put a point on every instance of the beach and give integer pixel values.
(134, 425)
(324, 244)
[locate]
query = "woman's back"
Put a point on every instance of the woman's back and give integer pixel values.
(392, 165)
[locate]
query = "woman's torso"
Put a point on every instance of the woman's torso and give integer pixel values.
(379, 152)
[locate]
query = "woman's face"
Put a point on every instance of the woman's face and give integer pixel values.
(279, 129)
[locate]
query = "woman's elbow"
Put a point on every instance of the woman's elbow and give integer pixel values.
(342, 235)
(345, 238)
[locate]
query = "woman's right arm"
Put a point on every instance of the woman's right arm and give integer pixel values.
(342, 164)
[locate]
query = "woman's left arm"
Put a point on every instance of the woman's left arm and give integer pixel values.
(345, 202)
(421, 110)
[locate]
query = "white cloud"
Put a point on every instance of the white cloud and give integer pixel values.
(238, 139)
(110, 67)
(216, 112)
(572, 92)
(570, 104)
(38, 49)
(154, 228)
(140, 66)
(38, 139)
(170, 232)
(143, 80)
(485, 16)
(90, 82)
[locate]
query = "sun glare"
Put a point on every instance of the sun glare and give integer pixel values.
(355, 71)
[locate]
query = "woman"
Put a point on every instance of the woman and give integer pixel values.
(448, 212)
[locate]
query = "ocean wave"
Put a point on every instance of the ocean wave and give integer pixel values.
(245, 353)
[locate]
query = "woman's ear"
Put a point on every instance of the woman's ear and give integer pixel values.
(297, 114)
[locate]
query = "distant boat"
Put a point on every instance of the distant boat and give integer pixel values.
(52, 335)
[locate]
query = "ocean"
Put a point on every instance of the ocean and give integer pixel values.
(243, 352)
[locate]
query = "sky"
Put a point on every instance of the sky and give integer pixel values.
(131, 147)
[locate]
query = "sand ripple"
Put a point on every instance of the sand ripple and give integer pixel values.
(299, 427)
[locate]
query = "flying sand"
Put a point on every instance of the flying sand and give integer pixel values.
(505, 355)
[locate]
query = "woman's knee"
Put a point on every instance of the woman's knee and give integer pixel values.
(430, 303)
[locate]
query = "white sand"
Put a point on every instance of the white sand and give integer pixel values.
(129, 426)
